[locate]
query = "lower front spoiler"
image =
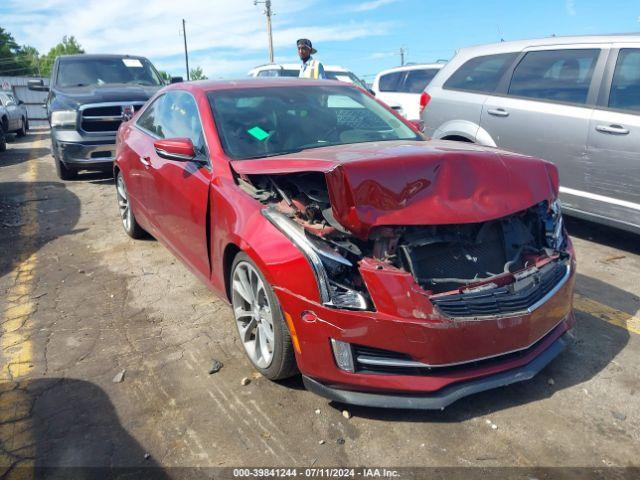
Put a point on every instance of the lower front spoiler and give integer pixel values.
(442, 398)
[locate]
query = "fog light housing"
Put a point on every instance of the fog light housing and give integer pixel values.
(342, 354)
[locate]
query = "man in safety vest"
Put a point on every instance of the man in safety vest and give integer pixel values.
(310, 68)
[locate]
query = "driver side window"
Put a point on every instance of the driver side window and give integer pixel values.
(178, 117)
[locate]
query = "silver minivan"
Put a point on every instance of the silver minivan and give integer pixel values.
(572, 100)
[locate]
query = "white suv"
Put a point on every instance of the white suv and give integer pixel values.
(400, 87)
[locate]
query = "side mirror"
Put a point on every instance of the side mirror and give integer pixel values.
(178, 149)
(37, 85)
(176, 80)
(371, 92)
(20, 102)
(418, 125)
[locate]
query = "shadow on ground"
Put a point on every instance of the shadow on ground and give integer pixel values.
(28, 220)
(67, 429)
(20, 150)
(594, 344)
(603, 234)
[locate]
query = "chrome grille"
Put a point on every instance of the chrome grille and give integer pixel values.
(104, 117)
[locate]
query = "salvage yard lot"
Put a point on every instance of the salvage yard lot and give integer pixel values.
(81, 302)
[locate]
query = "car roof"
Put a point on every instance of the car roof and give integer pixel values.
(97, 56)
(214, 85)
(518, 45)
(417, 66)
(296, 66)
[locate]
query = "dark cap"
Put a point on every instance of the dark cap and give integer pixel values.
(305, 42)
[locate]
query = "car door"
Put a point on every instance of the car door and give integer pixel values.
(455, 108)
(544, 107)
(178, 195)
(137, 148)
(612, 182)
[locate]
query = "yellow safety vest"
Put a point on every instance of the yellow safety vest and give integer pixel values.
(310, 69)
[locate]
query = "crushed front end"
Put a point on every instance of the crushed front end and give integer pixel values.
(417, 316)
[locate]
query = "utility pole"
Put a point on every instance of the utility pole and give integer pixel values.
(402, 52)
(268, 13)
(186, 53)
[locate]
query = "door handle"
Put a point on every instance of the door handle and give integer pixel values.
(498, 112)
(612, 129)
(145, 161)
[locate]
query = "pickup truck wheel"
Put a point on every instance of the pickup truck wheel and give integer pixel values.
(64, 172)
(129, 222)
(23, 128)
(262, 329)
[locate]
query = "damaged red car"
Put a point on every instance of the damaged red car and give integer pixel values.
(388, 270)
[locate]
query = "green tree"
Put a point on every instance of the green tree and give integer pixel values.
(165, 76)
(68, 46)
(197, 74)
(30, 59)
(9, 49)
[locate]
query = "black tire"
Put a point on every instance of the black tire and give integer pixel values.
(129, 222)
(283, 363)
(23, 128)
(3, 140)
(64, 172)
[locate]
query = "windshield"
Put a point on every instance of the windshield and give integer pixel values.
(84, 72)
(259, 122)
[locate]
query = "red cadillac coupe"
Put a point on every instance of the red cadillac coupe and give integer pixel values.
(389, 270)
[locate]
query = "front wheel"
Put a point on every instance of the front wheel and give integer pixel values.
(64, 172)
(129, 222)
(3, 140)
(23, 128)
(262, 329)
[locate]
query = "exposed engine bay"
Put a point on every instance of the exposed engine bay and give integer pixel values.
(443, 259)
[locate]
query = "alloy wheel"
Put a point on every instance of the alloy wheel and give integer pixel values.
(253, 313)
(123, 203)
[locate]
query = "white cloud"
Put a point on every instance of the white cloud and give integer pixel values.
(222, 35)
(379, 55)
(570, 5)
(372, 5)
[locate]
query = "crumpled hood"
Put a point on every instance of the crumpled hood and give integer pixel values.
(418, 183)
(76, 96)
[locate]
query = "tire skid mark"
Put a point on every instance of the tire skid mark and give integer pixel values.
(251, 414)
(243, 435)
(244, 420)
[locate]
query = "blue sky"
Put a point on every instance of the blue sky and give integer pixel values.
(228, 38)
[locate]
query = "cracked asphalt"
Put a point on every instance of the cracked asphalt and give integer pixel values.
(81, 302)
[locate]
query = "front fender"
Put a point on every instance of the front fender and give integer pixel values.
(237, 220)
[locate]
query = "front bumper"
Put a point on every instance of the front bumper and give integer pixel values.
(455, 357)
(90, 152)
(446, 396)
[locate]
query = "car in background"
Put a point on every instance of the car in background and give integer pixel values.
(401, 87)
(3, 138)
(574, 101)
(389, 270)
(89, 96)
(333, 72)
(14, 118)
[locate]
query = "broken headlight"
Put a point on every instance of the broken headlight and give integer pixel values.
(554, 226)
(324, 261)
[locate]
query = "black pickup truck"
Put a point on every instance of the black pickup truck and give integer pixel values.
(88, 98)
